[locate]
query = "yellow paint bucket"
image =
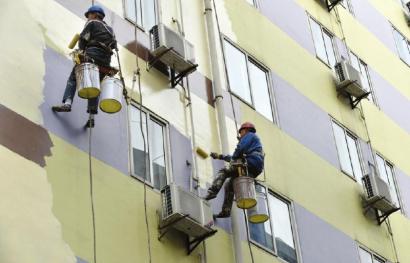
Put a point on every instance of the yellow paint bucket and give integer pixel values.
(259, 213)
(244, 189)
(111, 94)
(88, 80)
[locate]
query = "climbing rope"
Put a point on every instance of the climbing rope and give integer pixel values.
(92, 190)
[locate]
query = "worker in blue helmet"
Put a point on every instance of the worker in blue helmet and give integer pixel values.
(250, 148)
(96, 43)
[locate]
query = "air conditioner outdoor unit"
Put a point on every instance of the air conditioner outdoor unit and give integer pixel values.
(171, 48)
(377, 193)
(185, 211)
(348, 80)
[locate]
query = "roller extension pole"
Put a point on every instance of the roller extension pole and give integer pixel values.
(217, 87)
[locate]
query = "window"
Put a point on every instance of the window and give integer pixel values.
(276, 234)
(360, 66)
(144, 14)
(248, 80)
(323, 41)
(368, 257)
(386, 172)
(403, 46)
(151, 164)
(348, 151)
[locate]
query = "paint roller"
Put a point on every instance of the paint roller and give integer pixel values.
(74, 41)
(201, 152)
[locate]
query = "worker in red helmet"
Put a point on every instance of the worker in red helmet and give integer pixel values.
(97, 40)
(250, 148)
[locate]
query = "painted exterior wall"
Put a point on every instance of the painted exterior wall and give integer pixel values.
(45, 209)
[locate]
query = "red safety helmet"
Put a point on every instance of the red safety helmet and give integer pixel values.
(247, 125)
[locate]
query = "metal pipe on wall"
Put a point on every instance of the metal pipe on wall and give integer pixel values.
(217, 87)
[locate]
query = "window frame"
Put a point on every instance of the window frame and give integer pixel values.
(394, 30)
(150, 116)
(251, 59)
(368, 77)
(141, 27)
(347, 132)
(293, 225)
(326, 31)
(393, 170)
(373, 254)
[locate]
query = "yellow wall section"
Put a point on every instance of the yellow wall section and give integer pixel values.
(21, 60)
(29, 230)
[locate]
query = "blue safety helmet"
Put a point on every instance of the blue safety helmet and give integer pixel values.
(95, 9)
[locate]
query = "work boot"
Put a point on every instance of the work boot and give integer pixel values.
(223, 214)
(62, 108)
(210, 195)
(90, 123)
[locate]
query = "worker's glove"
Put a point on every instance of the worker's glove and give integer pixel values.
(217, 156)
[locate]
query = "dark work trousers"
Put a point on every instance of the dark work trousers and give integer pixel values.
(229, 174)
(94, 55)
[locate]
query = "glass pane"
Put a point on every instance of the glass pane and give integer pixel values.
(354, 157)
(318, 40)
(260, 93)
(282, 228)
(140, 158)
(355, 61)
(393, 189)
(365, 78)
(130, 10)
(262, 233)
(342, 149)
(365, 257)
(381, 168)
(148, 13)
(329, 49)
(402, 46)
(237, 72)
(157, 153)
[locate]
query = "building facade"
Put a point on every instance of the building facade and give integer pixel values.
(70, 194)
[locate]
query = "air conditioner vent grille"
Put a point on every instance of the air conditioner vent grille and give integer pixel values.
(340, 72)
(166, 201)
(368, 186)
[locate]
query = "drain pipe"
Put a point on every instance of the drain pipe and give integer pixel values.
(217, 87)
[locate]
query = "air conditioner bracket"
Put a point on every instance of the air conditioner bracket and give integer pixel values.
(330, 6)
(163, 230)
(192, 244)
(177, 78)
(384, 215)
(355, 101)
(155, 59)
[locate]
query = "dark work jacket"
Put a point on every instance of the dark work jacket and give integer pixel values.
(251, 146)
(99, 40)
